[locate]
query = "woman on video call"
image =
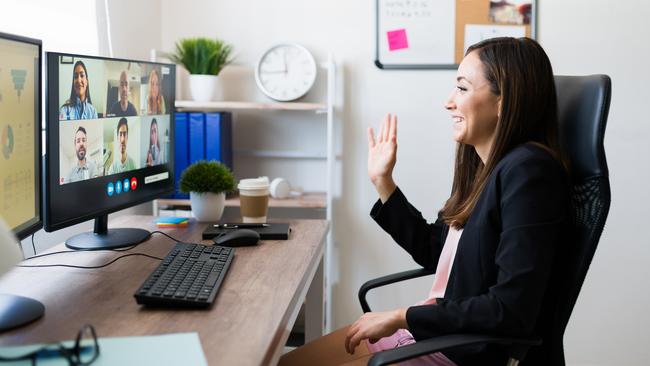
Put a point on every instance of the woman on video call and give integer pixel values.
(154, 157)
(79, 105)
(155, 100)
(495, 240)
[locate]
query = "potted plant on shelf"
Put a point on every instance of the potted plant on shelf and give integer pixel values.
(207, 183)
(204, 58)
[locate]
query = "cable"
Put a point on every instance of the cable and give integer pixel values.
(165, 234)
(113, 250)
(100, 266)
(89, 267)
(33, 245)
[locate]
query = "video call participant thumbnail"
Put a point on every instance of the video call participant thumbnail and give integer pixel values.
(155, 100)
(123, 108)
(79, 105)
(83, 168)
(154, 155)
(123, 162)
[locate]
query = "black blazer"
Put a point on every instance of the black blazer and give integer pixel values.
(500, 275)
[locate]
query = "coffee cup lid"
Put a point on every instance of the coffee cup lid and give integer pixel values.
(254, 183)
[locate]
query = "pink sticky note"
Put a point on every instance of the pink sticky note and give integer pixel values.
(397, 40)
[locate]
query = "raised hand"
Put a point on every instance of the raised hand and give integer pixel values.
(382, 156)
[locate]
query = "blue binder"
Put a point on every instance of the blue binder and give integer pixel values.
(181, 150)
(218, 137)
(197, 136)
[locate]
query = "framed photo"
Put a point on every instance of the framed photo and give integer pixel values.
(67, 59)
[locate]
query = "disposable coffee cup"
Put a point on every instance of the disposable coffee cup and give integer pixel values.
(254, 199)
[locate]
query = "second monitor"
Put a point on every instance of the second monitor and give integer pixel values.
(109, 133)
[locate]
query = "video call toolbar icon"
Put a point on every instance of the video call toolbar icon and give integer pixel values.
(110, 189)
(126, 185)
(134, 184)
(118, 187)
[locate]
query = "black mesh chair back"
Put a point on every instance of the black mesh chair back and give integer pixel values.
(583, 105)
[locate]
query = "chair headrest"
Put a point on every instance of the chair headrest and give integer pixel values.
(583, 105)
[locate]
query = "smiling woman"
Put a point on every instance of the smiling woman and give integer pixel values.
(79, 105)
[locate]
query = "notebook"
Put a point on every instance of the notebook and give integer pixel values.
(272, 232)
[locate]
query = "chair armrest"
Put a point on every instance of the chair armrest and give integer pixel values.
(518, 347)
(387, 280)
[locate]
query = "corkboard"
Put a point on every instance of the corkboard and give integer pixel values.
(431, 34)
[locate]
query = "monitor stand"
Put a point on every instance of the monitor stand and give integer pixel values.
(103, 238)
(18, 310)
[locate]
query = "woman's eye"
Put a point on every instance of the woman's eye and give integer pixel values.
(461, 88)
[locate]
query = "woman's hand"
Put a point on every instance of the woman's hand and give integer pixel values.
(373, 326)
(149, 159)
(382, 155)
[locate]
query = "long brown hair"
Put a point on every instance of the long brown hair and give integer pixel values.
(155, 104)
(519, 71)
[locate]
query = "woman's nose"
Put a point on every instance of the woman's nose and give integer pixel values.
(450, 104)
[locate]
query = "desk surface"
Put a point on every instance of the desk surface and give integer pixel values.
(248, 324)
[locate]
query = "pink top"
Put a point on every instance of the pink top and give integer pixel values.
(445, 263)
(402, 336)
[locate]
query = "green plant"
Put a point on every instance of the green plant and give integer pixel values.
(202, 56)
(207, 176)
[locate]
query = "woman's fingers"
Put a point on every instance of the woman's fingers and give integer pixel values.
(393, 129)
(384, 136)
(371, 138)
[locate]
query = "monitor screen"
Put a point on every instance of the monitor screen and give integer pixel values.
(20, 134)
(109, 132)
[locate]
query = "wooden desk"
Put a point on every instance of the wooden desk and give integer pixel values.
(248, 324)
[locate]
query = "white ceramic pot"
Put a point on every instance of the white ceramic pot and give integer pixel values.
(204, 88)
(207, 207)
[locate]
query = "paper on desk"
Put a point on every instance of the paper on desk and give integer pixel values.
(166, 349)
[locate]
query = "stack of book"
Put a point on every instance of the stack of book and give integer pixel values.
(164, 222)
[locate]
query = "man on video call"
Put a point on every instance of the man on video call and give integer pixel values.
(123, 163)
(123, 108)
(84, 169)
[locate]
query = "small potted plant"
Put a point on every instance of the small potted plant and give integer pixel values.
(203, 58)
(207, 183)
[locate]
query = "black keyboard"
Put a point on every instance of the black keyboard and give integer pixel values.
(189, 276)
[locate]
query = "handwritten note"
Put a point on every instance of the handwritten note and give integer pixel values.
(397, 39)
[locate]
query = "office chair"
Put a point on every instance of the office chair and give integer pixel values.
(583, 105)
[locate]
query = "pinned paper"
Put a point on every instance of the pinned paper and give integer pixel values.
(397, 40)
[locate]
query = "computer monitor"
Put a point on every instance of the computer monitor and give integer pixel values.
(20, 163)
(110, 124)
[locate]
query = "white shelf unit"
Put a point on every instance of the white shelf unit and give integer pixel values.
(326, 109)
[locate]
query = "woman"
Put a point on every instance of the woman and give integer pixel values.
(154, 157)
(155, 101)
(79, 105)
(495, 240)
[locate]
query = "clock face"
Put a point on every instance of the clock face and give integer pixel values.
(286, 72)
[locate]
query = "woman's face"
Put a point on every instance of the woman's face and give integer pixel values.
(80, 82)
(153, 134)
(474, 108)
(154, 85)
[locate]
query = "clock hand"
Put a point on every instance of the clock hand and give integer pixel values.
(285, 61)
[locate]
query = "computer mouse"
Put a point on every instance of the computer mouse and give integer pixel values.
(238, 238)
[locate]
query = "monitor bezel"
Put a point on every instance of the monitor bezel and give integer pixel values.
(28, 228)
(50, 226)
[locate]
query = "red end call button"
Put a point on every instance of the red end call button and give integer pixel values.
(134, 184)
